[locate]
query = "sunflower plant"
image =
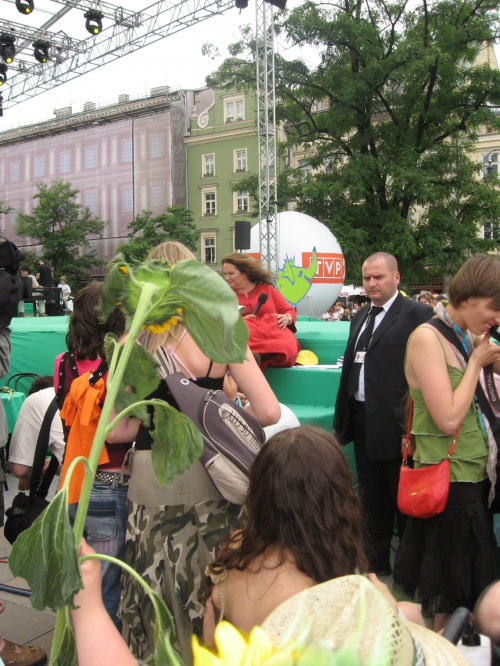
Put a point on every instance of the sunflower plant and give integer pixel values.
(152, 295)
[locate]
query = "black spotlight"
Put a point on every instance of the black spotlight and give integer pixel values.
(7, 48)
(280, 4)
(3, 73)
(241, 4)
(25, 6)
(41, 51)
(94, 21)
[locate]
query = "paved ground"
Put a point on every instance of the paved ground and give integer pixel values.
(18, 621)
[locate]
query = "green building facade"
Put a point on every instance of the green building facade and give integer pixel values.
(222, 149)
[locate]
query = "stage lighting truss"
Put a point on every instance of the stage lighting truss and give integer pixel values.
(93, 24)
(3, 73)
(7, 48)
(41, 51)
(25, 6)
(124, 31)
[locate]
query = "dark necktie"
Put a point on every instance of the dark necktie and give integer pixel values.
(362, 345)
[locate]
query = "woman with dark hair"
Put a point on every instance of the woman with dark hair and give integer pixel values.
(272, 327)
(75, 371)
(451, 557)
(301, 526)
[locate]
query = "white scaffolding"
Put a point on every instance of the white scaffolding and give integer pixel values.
(266, 129)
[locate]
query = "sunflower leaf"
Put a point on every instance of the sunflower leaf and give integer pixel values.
(53, 574)
(177, 442)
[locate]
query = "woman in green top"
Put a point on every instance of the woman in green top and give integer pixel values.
(451, 557)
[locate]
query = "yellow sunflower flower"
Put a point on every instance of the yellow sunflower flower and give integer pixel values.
(233, 649)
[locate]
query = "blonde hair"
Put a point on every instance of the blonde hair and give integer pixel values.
(171, 252)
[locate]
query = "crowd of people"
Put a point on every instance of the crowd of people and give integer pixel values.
(44, 277)
(306, 521)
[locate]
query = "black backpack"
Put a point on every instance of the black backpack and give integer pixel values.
(11, 286)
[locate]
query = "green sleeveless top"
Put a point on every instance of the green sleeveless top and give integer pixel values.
(468, 462)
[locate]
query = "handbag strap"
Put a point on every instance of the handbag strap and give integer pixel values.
(408, 433)
(42, 445)
(482, 399)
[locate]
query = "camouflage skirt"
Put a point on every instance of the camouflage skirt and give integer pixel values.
(170, 546)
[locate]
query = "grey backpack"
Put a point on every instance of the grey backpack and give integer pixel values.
(231, 436)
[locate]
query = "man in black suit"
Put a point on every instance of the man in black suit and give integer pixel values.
(370, 408)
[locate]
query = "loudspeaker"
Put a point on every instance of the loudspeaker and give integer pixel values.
(242, 234)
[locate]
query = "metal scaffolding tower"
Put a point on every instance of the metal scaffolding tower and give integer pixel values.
(126, 31)
(266, 128)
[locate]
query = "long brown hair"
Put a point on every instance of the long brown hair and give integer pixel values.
(301, 502)
(86, 333)
(250, 267)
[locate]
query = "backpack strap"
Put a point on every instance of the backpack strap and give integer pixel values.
(39, 488)
(67, 372)
(98, 373)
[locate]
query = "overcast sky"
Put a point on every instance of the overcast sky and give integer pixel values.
(175, 61)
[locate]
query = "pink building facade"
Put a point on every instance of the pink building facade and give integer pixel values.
(123, 159)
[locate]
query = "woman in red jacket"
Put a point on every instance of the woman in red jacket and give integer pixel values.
(272, 327)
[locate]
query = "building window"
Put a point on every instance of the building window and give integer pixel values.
(490, 231)
(234, 110)
(90, 158)
(126, 151)
(320, 105)
(91, 202)
(128, 199)
(305, 167)
(242, 202)
(64, 162)
(39, 167)
(490, 164)
(156, 146)
(329, 165)
(240, 160)
(14, 172)
(208, 165)
(157, 196)
(208, 248)
(14, 213)
(209, 203)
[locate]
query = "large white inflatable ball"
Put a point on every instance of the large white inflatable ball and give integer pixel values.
(311, 265)
(287, 420)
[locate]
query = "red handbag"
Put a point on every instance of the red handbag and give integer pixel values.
(423, 493)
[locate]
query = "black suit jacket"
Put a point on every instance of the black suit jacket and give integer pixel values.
(385, 381)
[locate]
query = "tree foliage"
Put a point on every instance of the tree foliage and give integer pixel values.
(175, 223)
(64, 229)
(404, 97)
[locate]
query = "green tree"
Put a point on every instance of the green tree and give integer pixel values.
(63, 228)
(404, 95)
(175, 223)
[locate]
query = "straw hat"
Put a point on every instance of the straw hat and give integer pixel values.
(350, 612)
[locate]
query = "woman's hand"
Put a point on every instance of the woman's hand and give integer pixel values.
(90, 597)
(284, 320)
(382, 587)
(486, 352)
